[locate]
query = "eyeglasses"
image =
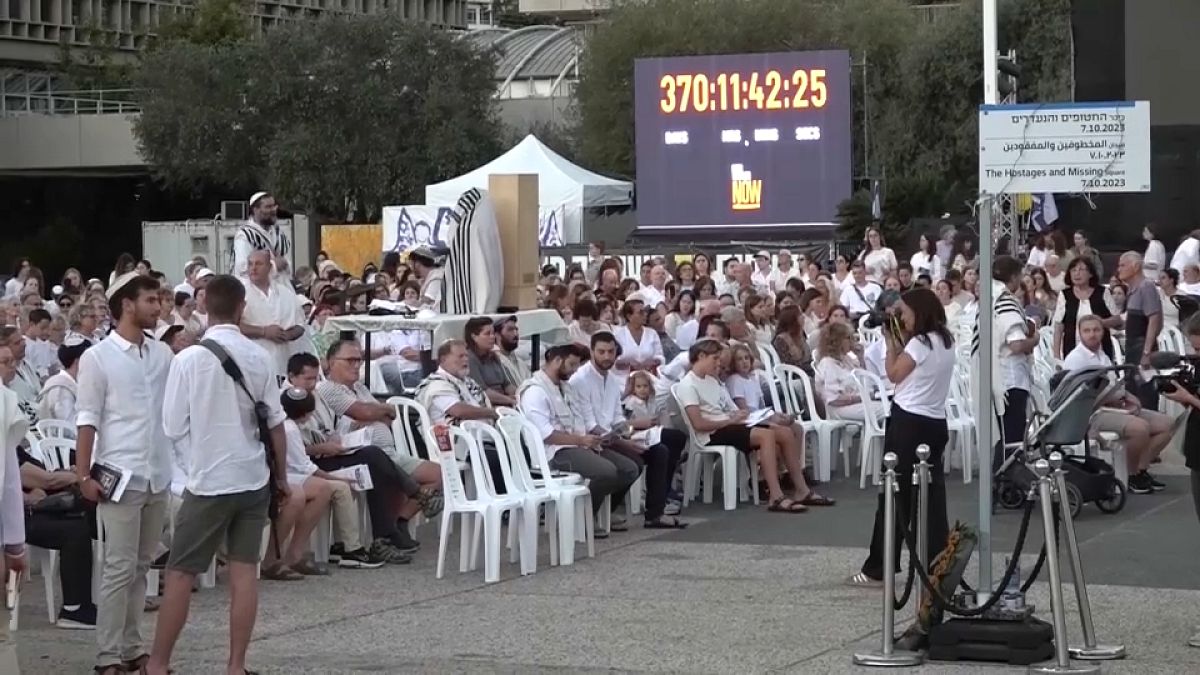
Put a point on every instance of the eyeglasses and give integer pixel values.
(65, 303)
(349, 359)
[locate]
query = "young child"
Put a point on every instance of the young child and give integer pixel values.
(743, 384)
(315, 490)
(646, 412)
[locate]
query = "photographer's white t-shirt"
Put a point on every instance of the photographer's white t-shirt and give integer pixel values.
(925, 389)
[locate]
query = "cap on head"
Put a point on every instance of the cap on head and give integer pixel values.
(119, 283)
(256, 197)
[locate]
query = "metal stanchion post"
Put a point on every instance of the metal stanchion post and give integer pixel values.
(1090, 651)
(1062, 660)
(922, 477)
(888, 656)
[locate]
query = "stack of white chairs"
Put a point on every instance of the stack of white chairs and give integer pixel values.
(961, 423)
(481, 516)
(791, 377)
(870, 455)
(738, 474)
(572, 498)
(55, 454)
(55, 429)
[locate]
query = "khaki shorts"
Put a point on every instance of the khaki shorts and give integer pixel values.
(204, 523)
(407, 463)
(1115, 421)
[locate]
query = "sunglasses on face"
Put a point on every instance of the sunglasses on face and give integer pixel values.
(64, 303)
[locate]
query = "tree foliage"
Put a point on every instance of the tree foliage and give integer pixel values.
(208, 22)
(919, 90)
(339, 117)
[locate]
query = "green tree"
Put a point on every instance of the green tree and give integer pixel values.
(208, 22)
(339, 117)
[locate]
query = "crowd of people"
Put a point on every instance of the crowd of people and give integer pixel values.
(140, 370)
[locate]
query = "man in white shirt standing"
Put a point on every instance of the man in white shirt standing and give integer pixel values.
(272, 316)
(784, 271)
(261, 233)
(119, 416)
(763, 274)
(860, 296)
(228, 493)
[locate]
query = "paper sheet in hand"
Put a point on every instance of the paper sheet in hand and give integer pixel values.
(648, 437)
(759, 416)
(356, 439)
(359, 475)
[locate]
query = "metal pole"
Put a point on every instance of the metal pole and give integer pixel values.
(888, 656)
(1090, 651)
(922, 475)
(1062, 659)
(984, 412)
(866, 122)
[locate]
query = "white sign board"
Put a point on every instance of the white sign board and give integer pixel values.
(1064, 147)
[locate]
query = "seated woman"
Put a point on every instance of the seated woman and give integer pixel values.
(716, 420)
(835, 380)
(51, 523)
(790, 343)
(57, 398)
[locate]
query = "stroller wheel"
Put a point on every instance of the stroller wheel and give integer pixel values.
(1115, 501)
(1010, 496)
(1075, 500)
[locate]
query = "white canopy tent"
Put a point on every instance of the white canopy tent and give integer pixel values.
(562, 185)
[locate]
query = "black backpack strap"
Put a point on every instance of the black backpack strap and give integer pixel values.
(228, 364)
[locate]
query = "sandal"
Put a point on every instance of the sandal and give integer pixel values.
(137, 665)
(431, 502)
(814, 499)
(777, 506)
(666, 524)
(861, 580)
(281, 572)
(309, 568)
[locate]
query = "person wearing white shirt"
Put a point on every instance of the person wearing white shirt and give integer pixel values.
(880, 261)
(921, 364)
(784, 270)
(272, 314)
(926, 261)
(119, 407)
(1018, 338)
(40, 353)
(655, 293)
(728, 284)
(399, 357)
(761, 274)
(598, 393)
(13, 426)
(1188, 252)
(859, 297)
(1144, 433)
(716, 420)
(229, 486)
(835, 374)
(1189, 284)
(546, 400)
(640, 347)
(262, 233)
(1154, 260)
(1037, 252)
(1054, 273)
(57, 398)
(689, 331)
(432, 278)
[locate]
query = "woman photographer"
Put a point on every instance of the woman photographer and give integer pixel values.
(920, 362)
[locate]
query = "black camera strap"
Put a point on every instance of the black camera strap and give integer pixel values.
(264, 431)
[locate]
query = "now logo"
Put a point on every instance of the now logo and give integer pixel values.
(745, 190)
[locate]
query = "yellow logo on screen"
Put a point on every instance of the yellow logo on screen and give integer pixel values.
(746, 191)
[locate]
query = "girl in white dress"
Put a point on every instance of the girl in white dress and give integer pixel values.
(926, 261)
(879, 260)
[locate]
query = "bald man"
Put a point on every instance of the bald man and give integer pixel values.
(685, 337)
(1143, 321)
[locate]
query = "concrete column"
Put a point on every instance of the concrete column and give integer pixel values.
(515, 198)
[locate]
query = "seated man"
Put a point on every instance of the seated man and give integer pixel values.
(451, 396)
(716, 420)
(598, 393)
(547, 401)
(508, 340)
(485, 365)
(386, 501)
(1144, 432)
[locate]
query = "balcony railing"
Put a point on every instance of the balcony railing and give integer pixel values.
(81, 102)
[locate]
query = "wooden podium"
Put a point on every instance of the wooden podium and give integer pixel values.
(516, 200)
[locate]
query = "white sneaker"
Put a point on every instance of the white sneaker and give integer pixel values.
(1194, 641)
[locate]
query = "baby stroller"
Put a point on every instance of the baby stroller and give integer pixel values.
(1074, 399)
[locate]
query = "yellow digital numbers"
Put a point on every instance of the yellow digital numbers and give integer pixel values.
(724, 92)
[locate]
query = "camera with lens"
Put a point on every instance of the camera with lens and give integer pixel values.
(1171, 369)
(883, 314)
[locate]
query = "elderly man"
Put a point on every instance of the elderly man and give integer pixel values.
(25, 384)
(452, 395)
(354, 407)
(687, 334)
(784, 270)
(1143, 321)
(261, 233)
(1054, 273)
(272, 316)
(656, 293)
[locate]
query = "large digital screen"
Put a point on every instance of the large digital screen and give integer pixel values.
(742, 139)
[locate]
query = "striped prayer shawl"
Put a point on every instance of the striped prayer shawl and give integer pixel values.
(274, 240)
(474, 276)
(1007, 311)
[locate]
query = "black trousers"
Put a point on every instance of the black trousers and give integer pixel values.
(72, 538)
(493, 466)
(659, 462)
(905, 431)
(1012, 422)
(388, 480)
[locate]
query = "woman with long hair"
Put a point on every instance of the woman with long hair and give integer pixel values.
(702, 265)
(1037, 251)
(835, 375)
(125, 264)
(926, 261)
(640, 348)
(72, 282)
(1154, 260)
(1083, 296)
(685, 275)
(1042, 292)
(964, 252)
(627, 288)
(12, 288)
(879, 260)
(790, 342)
(944, 291)
(681, 312)
(920, 362)
(757, 309)
(1084, 249)
(705, 289)
(586, 322)
(1168, 287)
(841, 272)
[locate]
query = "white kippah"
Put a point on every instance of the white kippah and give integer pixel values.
(119, 282)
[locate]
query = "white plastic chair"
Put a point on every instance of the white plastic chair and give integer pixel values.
(810, 419)
(870, 454)
(55, 429)
(736, 469)
(768, 356)
(55, 454)
(572, 498)
(483, 512)
(960, 422)
(518, 483)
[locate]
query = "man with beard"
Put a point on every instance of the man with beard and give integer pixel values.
(119, 406)
(260, 233)
(547, 401)
(508, 339)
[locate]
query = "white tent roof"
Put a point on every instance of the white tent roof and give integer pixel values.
(560, 182)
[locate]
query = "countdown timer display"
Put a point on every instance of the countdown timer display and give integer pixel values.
(742, 139)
